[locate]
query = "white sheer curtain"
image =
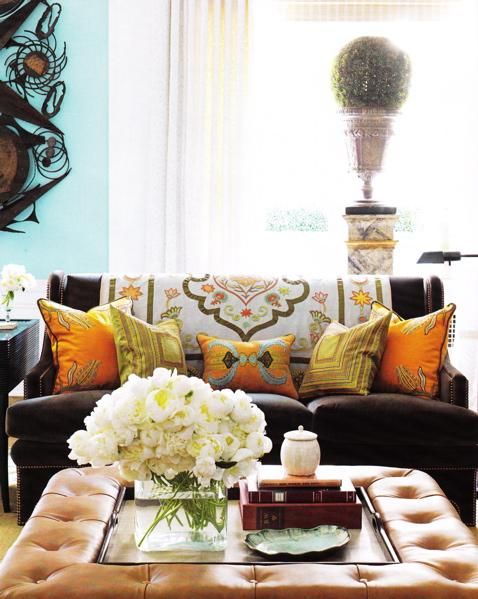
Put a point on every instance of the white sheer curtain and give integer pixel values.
(178, 76)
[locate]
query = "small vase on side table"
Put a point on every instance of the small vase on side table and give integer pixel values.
(7, 324)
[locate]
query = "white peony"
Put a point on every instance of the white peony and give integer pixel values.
(103, 449)
(258, 443)
(230, 445)
(133, 471)
(204, 468)
(241, 411)
(160, 404)
(79, 443)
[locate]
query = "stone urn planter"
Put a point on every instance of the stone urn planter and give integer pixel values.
(367, 131)
(370, 79)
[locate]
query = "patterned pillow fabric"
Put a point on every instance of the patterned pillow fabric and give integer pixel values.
(414, 352)
(83, 345)
(345, 361)
(142, 347)
(254, 366)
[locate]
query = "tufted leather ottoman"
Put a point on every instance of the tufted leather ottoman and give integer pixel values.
(53, 557)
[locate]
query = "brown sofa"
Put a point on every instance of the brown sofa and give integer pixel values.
(52, 559)
(437, 436)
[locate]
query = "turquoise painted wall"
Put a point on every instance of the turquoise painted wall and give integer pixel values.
(73, 230)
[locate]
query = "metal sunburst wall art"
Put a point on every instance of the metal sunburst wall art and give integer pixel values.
(33, 155)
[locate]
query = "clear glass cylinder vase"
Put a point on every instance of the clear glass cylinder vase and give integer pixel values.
(180, 515)
(8, 313)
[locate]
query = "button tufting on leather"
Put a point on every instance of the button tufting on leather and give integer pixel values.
(438, 553)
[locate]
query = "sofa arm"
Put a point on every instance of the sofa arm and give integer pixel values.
(41, 378)
(453, 385)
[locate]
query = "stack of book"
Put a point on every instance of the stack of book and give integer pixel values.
(272, 499)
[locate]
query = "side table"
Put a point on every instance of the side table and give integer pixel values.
(18, 354)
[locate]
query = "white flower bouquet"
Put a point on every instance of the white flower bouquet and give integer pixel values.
(14, 278)
(176, 431)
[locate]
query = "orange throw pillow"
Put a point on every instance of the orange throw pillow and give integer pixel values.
(254, 366)
(83, 345)
(414, 352)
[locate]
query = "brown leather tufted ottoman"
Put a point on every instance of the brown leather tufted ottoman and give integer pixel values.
(52, 558)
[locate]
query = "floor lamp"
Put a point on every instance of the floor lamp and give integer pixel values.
(441, 257)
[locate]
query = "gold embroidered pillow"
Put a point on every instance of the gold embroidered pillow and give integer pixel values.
(414, 352)
(345, 361)
(82, 344)
(254, 366)
(142, 347)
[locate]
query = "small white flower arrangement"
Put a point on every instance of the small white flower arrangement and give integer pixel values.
(14, 278)
(167, 424)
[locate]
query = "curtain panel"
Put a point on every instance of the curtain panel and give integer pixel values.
(178, 77)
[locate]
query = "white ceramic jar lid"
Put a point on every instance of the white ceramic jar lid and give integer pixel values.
(300, 435)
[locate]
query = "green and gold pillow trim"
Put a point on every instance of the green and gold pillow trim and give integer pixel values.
(345, 361)
(142, 347)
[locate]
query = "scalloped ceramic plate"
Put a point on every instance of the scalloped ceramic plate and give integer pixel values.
(298, 541)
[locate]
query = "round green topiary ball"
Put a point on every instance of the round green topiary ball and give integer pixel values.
(370, 72)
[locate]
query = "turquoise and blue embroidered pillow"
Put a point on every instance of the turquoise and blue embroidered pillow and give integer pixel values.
(254, 366)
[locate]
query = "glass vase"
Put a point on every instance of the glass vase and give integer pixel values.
(8, 313)
(180, 514)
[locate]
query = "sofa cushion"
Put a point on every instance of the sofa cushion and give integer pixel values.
(390, 419)
(53, 418)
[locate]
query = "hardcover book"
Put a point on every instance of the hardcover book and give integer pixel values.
(345, 493)
(256, 516)
(275, 476)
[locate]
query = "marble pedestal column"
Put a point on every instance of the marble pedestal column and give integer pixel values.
(370, 242)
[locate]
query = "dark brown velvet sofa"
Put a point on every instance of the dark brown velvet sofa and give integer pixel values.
(437, 436)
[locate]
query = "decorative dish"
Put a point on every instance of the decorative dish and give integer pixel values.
(298, 541)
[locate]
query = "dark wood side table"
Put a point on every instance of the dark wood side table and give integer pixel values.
(18, 354)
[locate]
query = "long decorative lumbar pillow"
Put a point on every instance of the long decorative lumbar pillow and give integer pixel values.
(254, 366)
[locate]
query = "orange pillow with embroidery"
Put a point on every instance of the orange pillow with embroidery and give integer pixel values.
(83, 345)
(254, 366)
(414, 352)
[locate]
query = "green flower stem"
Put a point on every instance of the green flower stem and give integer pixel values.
(7, 298)
(199, 511)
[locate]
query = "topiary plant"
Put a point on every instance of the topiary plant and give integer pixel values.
(370, 72)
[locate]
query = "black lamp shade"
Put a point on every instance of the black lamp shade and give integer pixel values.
(439, 257)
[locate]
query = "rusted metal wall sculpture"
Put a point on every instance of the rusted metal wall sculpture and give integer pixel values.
(33, 155)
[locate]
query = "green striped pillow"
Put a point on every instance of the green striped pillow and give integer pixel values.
(345, 361)
(142, 347)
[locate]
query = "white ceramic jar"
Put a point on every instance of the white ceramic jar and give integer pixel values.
(300, 452)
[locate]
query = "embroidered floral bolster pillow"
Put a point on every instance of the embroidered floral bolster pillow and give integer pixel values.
(253, 366)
